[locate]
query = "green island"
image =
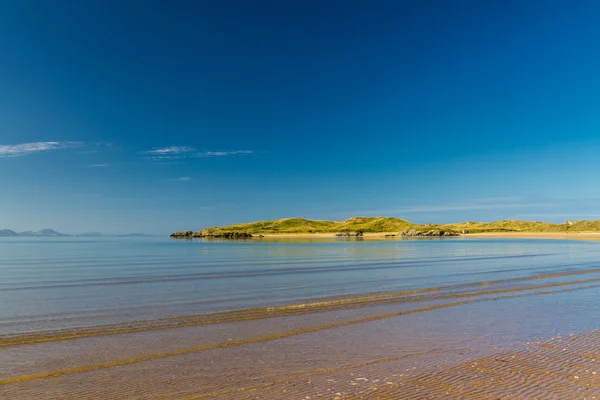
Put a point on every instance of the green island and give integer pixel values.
(357, 226)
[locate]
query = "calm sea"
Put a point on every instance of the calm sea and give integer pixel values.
(127, 319)
(68, 282)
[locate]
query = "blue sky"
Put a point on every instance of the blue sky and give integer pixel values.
(158, 116)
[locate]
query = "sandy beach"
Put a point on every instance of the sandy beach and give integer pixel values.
(536, 235)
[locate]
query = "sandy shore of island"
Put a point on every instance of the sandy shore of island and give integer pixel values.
(327, 235)
(536, 235)
(503, 235)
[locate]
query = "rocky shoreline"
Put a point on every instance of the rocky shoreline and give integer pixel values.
(215, 235)
(349, 234)
(430, 233)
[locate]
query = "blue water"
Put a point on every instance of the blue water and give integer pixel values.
(48, 283)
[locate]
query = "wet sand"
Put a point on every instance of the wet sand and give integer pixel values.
(560, 368)
(484, 340)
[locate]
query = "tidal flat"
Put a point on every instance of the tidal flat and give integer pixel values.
(140, 318)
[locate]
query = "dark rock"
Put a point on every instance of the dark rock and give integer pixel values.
(355, 219)
(349, 234)
(227, 235)
(211, 233)
(183, 235)
(429, 233)
(450, 233)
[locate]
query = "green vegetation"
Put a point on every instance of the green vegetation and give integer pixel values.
(301, 225)
(390, 224)
(504, 226)
(522, 226)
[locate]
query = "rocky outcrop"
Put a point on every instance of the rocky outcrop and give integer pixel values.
(183, 235)
(211, 233)
(355, 219)
(349, 234)
(428, 233)
(228, 235)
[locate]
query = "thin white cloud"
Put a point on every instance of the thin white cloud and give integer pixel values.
(184, 179)
(225, 153)
(181, 152)
(100, 165)
(23, 149)
(168, 153)
(170, 150)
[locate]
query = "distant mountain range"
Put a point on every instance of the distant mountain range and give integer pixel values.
(42, 233)
(53, 233)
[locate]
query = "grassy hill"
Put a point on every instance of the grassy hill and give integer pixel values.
(525, 226)
(302, 225)
(506, 226)
(391, 224)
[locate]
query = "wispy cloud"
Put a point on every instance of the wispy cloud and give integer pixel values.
(23, 149)
(168, 153)
(225, 153)
(181, 152)
(183, 179)
(171, 150)
(99, 165)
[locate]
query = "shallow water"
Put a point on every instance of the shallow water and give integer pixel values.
(114, 280)
(220, 317)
